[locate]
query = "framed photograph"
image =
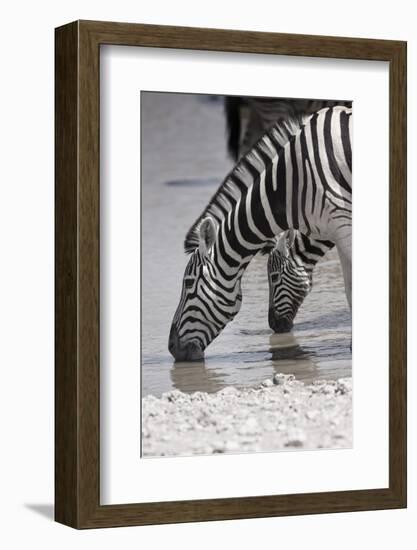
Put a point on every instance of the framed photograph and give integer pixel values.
(230, 317)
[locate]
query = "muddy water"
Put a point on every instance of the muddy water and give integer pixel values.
(183, 161)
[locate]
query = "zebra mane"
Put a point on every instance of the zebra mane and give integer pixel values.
(233, 124)
(244, 174)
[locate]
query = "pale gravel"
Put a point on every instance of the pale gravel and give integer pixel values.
(279, 414)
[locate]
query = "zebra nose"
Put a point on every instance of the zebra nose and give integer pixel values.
(279, 324)
(194, 352)
(190, 351)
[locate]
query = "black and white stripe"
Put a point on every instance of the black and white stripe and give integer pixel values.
(291, 262)
(247, 118)
(297, 176)
(287, 287)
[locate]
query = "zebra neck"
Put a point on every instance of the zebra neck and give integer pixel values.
(307, 251)
(239, 239)
(245, 186)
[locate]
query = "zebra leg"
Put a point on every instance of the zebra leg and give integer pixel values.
(344, 248)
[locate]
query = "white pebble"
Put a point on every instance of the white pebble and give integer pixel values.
(228, 390)
(280, 379)
(296, 438)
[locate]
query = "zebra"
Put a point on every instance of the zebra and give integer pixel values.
(297, 176)
(291, 260)
(291, 279)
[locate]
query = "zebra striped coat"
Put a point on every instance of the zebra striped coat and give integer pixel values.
(291, 261)
(298, 176)
(292, 278)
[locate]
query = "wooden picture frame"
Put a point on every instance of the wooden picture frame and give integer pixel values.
(77, 370)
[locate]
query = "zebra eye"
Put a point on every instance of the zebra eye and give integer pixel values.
(274, 277)
(189, 283)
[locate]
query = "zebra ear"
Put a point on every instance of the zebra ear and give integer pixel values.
(282, 244)
(207, 235)
(291, 237)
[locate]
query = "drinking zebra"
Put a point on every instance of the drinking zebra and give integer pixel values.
(297, 176)
(291, 260)
(289, 284)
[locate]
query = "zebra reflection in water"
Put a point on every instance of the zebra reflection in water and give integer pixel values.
(285, 355)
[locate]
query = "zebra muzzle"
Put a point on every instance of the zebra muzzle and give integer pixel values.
(279, 324)
(190, 351)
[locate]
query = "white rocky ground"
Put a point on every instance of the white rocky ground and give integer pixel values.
(282, 413)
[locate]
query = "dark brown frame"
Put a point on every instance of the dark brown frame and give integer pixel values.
(77, 371)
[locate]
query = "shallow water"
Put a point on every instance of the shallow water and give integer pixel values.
(183, 161)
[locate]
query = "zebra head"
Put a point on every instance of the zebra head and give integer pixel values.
(208, 301)
(289, 283)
